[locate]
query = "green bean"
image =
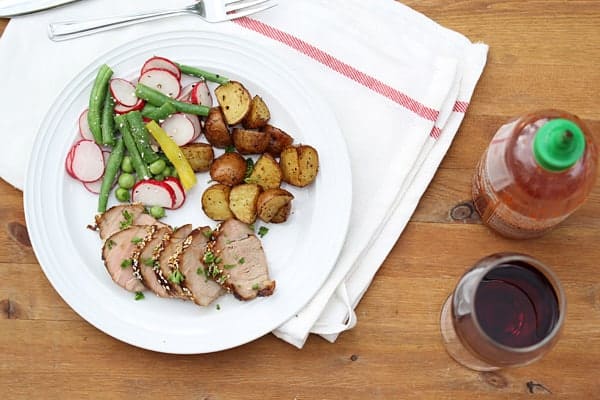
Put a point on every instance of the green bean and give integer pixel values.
(110, 172)
(157, 99)
(158, 113)
(108, 120)
(136, 159)
(141, 136)
(197, 72)
(96, 102)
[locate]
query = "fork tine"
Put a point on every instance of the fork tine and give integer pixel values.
(239, 4)
(251, 10)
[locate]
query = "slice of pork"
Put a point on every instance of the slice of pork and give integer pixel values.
(240, 264)
(172, 250)
(147, 260)
(118, 252)
(122, 216)
(202, 288)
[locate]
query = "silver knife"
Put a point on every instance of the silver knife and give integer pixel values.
(11, 8)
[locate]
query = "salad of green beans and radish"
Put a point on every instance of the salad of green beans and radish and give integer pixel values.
(118, 155)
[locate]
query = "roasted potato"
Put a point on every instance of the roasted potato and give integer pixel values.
(242, 201)
(215, 202)
(258, 115)
(199, 155)
(216, 129)
(278, 140)
(228, 169)
(266, 173)
(299, 164)
(274, 205)
(234, 100)
(248, 141)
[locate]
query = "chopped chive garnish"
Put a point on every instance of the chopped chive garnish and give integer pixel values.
(255, 286)
(126, 263)
(262, 231)
(139, 296)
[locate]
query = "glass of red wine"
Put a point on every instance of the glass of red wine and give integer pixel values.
(506, 311)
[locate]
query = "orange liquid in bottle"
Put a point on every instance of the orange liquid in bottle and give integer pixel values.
(518, 197)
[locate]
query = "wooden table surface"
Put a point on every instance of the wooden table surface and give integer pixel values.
(542, 54)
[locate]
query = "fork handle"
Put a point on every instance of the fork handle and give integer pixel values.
(65, 30)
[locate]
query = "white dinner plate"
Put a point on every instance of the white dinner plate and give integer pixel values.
(301, 252)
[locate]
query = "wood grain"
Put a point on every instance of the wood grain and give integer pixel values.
(542, 54)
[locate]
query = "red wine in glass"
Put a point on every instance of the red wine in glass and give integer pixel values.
(506, 311)
(516, 305)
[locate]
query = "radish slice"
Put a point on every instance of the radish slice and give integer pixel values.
(94, 187)
(195, 120)
(162, 80)
(69, 162)
(186, 91)
(201, 94)
(161, 63)
(180, 128)
(177, 189)
(121, 109)
(84, 127)
(153, 193)
(87, 163)
(123, 92)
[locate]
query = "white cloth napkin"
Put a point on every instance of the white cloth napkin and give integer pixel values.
(398, 83)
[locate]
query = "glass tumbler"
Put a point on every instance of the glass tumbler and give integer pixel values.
(506, 311)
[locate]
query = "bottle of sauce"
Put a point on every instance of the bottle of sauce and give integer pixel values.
(537, 170)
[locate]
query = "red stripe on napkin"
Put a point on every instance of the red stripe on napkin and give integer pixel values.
(460, 106)
(339, 66)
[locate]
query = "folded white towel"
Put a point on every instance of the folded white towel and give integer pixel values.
(399, 85)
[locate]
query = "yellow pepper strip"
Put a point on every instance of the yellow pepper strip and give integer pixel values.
(174, 154)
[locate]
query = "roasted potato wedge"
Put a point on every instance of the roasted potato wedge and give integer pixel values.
(278, 140)
(299, 165)
(258, 115)
(216, 129)
(234, 100)
(199, 155)
(242, 201)
(228, 169)
(215, 202)
(266, 173)
(274, 205)
(248, 141)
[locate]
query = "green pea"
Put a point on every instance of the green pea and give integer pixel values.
(167, 171)
(157, 167)
(126, 181)
(127, 165)
(157, 212)
(174, 173)
(122, 194)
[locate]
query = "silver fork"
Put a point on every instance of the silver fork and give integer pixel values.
(209, 10)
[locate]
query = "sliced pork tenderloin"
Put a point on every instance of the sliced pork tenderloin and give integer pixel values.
(148, 264)
(202, 288)
(236, 260)
(172, 249)
(118, 252)
(122, 216)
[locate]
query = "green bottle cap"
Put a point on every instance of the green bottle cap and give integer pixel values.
(558, 144)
